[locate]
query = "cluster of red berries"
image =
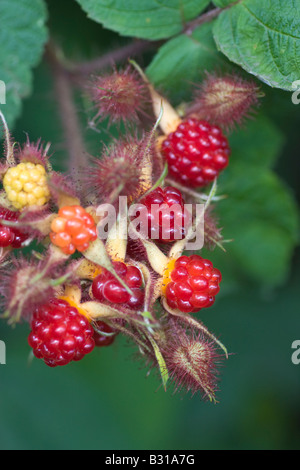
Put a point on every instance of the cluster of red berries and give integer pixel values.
(64, 330)
(106, 288)
(196, 152)
(73, 229)
(10, 236)
(192, 284)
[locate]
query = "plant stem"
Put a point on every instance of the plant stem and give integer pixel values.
(205, 18)
(110, 58)
(68, 114)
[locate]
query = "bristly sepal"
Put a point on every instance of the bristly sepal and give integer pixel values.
(26, 284)
(225, 100)
(120, 96)
(125, 169)
(192, 360)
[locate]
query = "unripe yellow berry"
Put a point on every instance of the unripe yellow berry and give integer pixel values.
(26, 185)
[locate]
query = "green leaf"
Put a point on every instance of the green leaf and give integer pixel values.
(22, 37)
(261, 217)
(183, 60)
(258, 143)
(263, 37)
(148, 19)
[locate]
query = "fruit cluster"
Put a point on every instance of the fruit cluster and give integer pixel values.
(81, 291)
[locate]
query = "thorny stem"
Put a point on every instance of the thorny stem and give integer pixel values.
(127, 332)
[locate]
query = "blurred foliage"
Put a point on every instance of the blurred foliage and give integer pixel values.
(106, 401)
(22, 38)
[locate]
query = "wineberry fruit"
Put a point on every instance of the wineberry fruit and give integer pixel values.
(192, 284)
(60, 334)
(107, 288)
(196, 152)
(167, 220)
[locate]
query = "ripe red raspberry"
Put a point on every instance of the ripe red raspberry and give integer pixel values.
(73, 229)
(60, 334)
(192, 284)
(104, 339)
(163, 224)
(10, 236)
(196, 152)
(107, 288)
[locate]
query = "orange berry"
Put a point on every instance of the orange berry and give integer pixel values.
(67, 212)
(80, 211)
(75, 226)
(69, 250)
(93, 233)
(73, 229)
(82, 238)
(58, 225)
(82, 248)
(89, 221)
(63, 239)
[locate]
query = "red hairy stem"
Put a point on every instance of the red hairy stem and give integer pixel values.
(116, 56)
(205, 18)
(68, 114)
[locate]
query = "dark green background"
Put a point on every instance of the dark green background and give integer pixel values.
(106, 401)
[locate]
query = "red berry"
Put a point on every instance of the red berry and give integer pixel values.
(107, 288)
(192, 284)
(163, 224)
(60, 334)
(105, 339)
(10, 236)
(196, 152)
